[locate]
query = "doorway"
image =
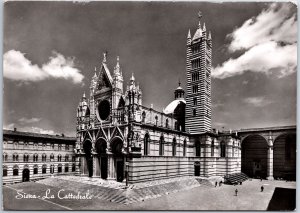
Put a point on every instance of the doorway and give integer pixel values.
(103, 167)
(120, 170)
(25, 176)
(197, 168)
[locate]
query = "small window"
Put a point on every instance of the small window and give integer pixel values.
(194, 112)
(59, 169)
(195, 101)
(35, 170)
(73, 168)
(44, 169)
(15, 172)
(4, 171)
(66, 168)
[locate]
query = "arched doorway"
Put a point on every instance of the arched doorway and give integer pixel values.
(116, 147)
(87, 147)
(101, 146)
(284, 157)
(255, 156)
(25, 175)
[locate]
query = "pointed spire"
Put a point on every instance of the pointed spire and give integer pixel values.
(204, 27)
(95, 74)
(104, 57)
(189, 34)
(209, 35)
(118, 62)
(132, 78)
(199, 25)
(83, 96)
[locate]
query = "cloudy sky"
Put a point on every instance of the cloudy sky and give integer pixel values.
(51, 48)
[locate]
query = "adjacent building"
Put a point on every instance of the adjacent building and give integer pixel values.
(31, 156)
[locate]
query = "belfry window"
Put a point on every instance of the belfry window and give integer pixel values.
(195, 76)
(194, 112)
(195, 101)
(195, 89)
(196, 63)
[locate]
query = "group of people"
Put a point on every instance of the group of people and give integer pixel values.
(261, 189)
(216, 183)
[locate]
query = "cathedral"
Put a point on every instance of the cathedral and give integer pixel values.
(119, 138)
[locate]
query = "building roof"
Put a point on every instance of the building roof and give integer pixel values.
(172, 106)
(12, 133)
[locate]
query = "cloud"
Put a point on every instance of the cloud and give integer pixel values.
(28, 120)
(276, 23)
(257, 101)
(269, 44)
(18, 68)
(268, 58)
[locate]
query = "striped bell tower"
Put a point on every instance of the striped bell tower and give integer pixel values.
(198, 70)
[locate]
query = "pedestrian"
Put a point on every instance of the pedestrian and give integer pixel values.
(236, 192)
(241, 183)
(262, 188)
(261, 179)
(216, 184)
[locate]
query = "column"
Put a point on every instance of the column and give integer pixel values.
(270, 163)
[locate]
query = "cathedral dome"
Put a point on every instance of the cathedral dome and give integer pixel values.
(170, 109)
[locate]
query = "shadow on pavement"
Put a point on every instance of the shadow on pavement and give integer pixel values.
(283, 199)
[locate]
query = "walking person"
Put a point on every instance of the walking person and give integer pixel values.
(262, 188)
(236, 192)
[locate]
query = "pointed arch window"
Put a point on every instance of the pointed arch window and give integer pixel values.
(35, 157)
(184, 147)
(167, 123)
(143, 117)
(174, 147)
(146, 144)
(5, 156)
(161, 145)
(44, 157)
(223, 149)
(212, 153)
(198, 149)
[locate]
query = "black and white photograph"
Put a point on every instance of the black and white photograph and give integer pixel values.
(149, 105)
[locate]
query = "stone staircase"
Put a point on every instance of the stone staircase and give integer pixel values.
(235, 178)
(119, 194)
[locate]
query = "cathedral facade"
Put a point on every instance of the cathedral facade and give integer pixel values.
(119, 138)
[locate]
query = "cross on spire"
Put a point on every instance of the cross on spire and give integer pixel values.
(199, 15)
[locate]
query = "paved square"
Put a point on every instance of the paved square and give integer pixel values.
(202, 197)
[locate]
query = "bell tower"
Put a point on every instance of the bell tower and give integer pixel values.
(198, 71)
